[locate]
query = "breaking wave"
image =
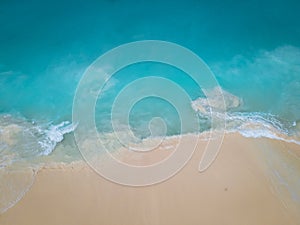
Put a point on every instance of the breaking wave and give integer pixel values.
(249, 124)
(22, 143)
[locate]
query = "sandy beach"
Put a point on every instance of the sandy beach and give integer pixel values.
(180, 112)
(238, 188)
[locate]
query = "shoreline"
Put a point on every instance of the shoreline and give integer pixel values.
(238, 188)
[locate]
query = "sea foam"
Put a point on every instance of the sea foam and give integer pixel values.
(216, 100)
(54, 135)
(23, 140)
(223, 106)
(22, 143)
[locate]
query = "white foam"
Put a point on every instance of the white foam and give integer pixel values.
(258, 125)
(20, 142)
(265, 134)
(217, 100)
(250, 125)
(54, 135)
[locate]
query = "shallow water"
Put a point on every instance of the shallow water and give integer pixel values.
(253, 48)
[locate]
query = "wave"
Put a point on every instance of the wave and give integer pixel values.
(248, 124)
(23, 140)
(259, 125)
(54, 135)
(216, 99)
(22, 143)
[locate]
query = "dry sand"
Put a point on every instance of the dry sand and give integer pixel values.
(237, 189)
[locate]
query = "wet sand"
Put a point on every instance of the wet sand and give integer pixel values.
(238, 188)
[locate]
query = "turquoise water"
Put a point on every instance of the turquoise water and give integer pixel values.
(252, 47)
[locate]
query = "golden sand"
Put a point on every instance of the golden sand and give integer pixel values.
(238, 188)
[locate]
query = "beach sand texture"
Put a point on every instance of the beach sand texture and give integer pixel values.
(238, 188)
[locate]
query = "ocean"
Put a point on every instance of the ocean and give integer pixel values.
(252, 48)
